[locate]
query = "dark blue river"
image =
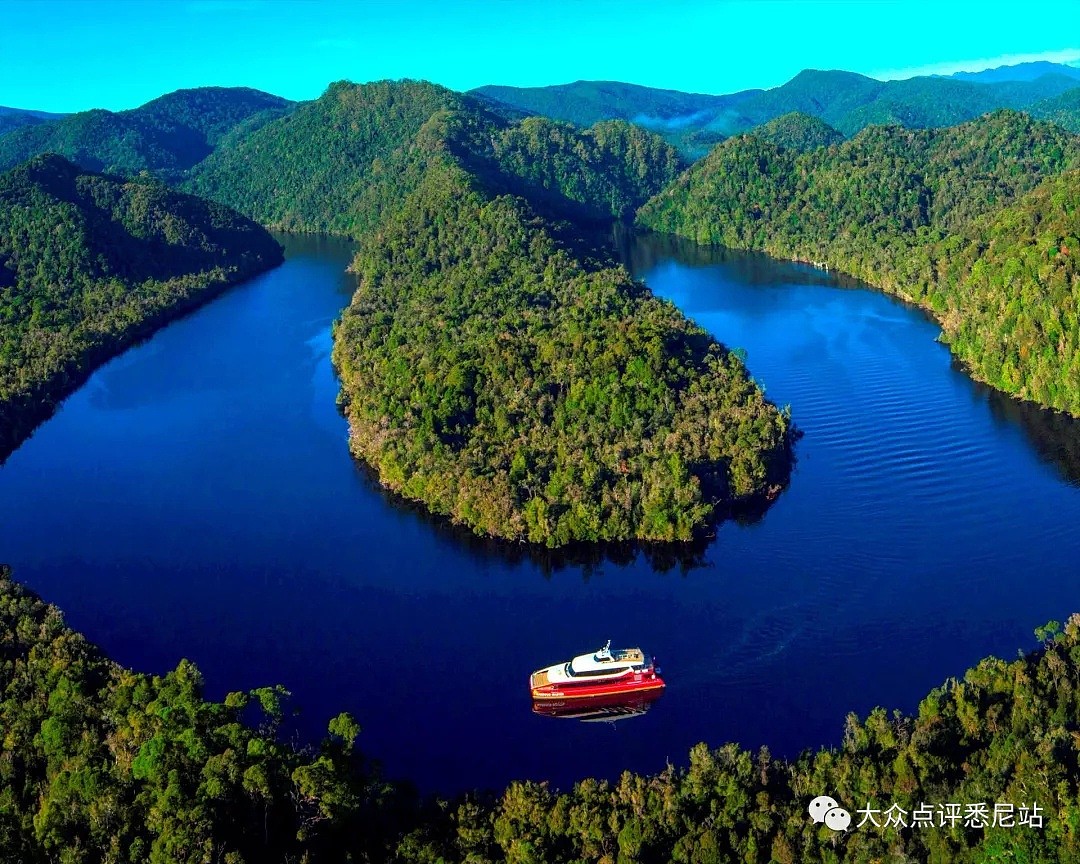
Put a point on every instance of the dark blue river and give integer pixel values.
(196, 499)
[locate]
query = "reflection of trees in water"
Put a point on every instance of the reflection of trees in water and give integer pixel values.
(588, 557)
(641, 251)
(1055, 436)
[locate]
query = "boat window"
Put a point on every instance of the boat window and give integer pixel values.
(594, 672)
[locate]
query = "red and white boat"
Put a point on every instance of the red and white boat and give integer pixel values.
(624, 670)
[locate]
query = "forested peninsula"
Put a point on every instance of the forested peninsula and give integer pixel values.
(978, 223)
(89, 264)
(99, 763)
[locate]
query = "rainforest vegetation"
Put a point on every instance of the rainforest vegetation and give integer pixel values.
(797, 131)
(99, 763)
(89, 263)
(978, 223)
(344, 162)
(535, 396)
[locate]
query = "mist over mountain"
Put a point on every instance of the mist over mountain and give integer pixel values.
(847, 101)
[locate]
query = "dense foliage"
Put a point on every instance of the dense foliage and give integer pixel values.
(165, 136)
(609, 169)
(89, 263)
(528, 394)
(345, 161)
(799, 132)
(978, 223)
(1063, 110)
(337, 164)
(102, 764)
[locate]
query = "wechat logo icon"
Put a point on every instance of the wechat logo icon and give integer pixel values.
(828, 810)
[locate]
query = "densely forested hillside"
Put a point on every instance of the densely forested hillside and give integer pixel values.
(165, 137)
(343, 162)
(799, 132)
(978, 223)
(103, 764)
(1063, 110)
(89, 263)
(605, 171)
(530, 395)
(336, 164)
(488, 371)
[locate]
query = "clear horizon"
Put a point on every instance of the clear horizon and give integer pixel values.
(123, 53)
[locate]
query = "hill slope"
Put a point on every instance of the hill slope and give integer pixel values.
(89, 263)
(344, 161)
(165, 137)
(334, 164)
(799, 132)
(1063, 110)
(531, 395)
(457, 353)
(978, 223)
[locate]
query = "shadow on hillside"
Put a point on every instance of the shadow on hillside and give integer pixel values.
(1054, 436)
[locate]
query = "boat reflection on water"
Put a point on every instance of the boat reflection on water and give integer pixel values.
(598, 709)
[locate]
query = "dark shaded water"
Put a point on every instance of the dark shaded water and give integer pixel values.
(196, 499)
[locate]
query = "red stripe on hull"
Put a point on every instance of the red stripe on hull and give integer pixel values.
(644, 684)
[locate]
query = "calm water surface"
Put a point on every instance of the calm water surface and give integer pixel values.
(196, 499)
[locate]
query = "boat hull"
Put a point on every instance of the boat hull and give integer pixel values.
(612, 706)
(639, 682)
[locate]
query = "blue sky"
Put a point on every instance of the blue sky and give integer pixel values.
(69, 56)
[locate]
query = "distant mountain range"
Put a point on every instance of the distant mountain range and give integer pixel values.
(1019, 72)
(845, 100)
(13, 118)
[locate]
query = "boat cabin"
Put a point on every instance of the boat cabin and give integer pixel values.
(606, 662)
